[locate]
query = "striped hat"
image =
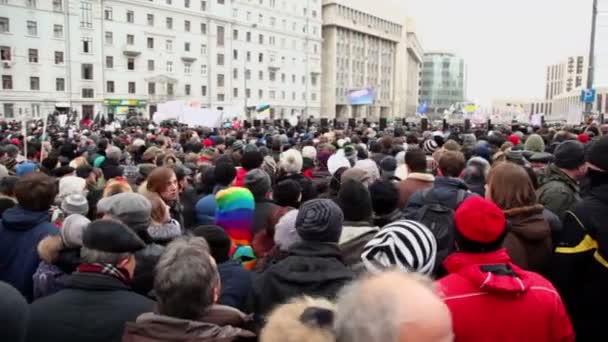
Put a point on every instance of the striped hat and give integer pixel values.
(430, 146)
(405, 244)
(234, 213)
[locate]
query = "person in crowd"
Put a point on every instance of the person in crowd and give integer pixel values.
(236, 281)
(163, 182)
(162, 227)
(23, 227)
(534, 143)
(187, 195)
(224, 174)
(291, 168)
(417, 177)
(116, 186)
(485, 284)
(187, 287)
(397, 307)
(14, 314)
(111, 167)
(385, 202)
(302, 319)
(25, 168)
(60, 256)
(355, 201)
(404, 245)
(313, 266)
(259, 183)
(7, 193)
(287, 193)
(559, 190)
(579, 266)
(529, 241)
(475, 175)
(97, 300)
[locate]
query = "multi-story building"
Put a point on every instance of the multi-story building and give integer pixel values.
(414, 70)
(119, 55)
(566, 76)
(364, 56)
(443, 81)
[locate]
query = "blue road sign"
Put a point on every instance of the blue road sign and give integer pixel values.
(588, 95)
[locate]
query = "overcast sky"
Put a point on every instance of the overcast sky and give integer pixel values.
(506, 43)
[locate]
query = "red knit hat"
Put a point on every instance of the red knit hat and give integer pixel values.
(514, 139)
(480, 220)
(207, 142)
(584, 138)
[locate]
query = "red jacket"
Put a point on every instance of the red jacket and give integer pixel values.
(489, 306)
(240, 177)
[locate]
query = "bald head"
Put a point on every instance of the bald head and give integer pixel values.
(392, 306)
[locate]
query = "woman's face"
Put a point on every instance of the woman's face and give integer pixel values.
(170, 193)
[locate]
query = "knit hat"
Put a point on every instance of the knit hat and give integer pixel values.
(514, 139)
(75, 204)
(14, 313)
(388, 165)
(480, 221)
(355, 201)
(98, 161)
(405, 244)
(569, 155)
(370, 167)
(350, 152)
(285, 233)
(468, 139)
(583, 138)
(516, 156)
(25, 168)
(132, 209)
(72, 229)
(429, 146)
(291, 161)
(234, 213)
(356, 174)
(320, 220)
(542, 157)
(150, 153)
(535, 143)
(237, 145)
(258, 182)
(384, 196)
(217, 239)
(70, 185)
(597, 155)
(111, 236)
(309, 152)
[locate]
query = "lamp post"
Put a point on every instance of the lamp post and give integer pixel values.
(591, 69)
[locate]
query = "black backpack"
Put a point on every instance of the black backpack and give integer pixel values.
(439, 218)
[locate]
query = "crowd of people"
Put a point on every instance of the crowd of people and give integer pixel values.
(308, 233)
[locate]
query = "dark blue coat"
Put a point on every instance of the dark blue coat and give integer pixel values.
(20, 232)
(445, 191)
(236, 284)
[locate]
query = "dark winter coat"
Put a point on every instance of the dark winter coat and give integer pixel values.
(56, 266)
(308, 189)
(146, 260)
(262, 214)
(413, 183)
(236, 284)
(558, 192)
(206, 206)
(20, 232)
(188, 199)
(92, 307)
(111, 169)
(445, 191)
(312, 268)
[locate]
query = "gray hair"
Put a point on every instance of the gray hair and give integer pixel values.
(92, 256)
(185, 279)
(113, 152)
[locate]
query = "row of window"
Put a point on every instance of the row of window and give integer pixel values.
(368, 20)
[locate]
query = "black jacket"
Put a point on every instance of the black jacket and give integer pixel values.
(262, 214)
(111, 169)
(308, 189)
(312, 268)
(92, 307)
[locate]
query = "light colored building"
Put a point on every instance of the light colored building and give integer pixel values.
(443, 81)
(364, 52)
(121, 55)
(565, 77)
(414, 71)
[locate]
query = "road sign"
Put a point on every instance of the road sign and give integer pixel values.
(588, 95)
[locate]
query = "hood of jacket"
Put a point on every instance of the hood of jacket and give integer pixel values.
(49, 248)
(423, 177)
(450, 183)
(471, 267)
(164, 232)
(353, 230)
(554, 174)
(18, 218)
(528, 222)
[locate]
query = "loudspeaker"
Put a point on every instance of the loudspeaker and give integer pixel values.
(425, 124)
(445, 125)
(247, 124)
(382, 124)
(335, 123)
(324, 122)
(404, 122)
(257, 123)
(467, 125)
(365, 121)
(490, 125)
(286, 123)
(277, 123)
(352, 123)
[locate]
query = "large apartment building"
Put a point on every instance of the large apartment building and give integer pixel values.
(118, 55)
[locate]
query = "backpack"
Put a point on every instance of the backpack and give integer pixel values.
(439, 218)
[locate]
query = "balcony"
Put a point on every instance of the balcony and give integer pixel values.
(131, 50)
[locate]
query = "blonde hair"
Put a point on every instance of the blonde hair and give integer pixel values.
(114, 187)
(78, 162)
(159, 210)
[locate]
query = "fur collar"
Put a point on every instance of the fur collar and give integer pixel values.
(524, 211)
(424, 177)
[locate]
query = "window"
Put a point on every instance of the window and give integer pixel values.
(235, 92)
(220, 36)
(203, 70)
(248, 56)
(221, 97)
(150, 19)
(87, 45)
(260, 93)
(169, 23)
(248, 36)
(57, 31)
(261, 57)
(235, 34)
(34, 83)
(87, 93)
(130, 39)
(187, 68)
(109, 62)
(5, 53)
(220, 80)
(32, 55)
(272, 95)
(170, 91)
(86, 14)
(131, 87)
(203, 5)
(7, 82)
(110, 86)
(187, 25)
(4, 25)
(32, 28)
(203, 49)
(130, 63)
(220, 59)
(248, 93)
(60, 84)
(247, 74)
(169, 66)
(283, 78)
(58, 57)
(151, 88)
(169, 2)
(203, 28)
(31, 3)
(261, 39)
(150, 65)
(169, 45)
(57, 5)
(204, 90)
(187, 89)
(187, 3)
(109, 38)
(261, 75)
(187, 47)
(130, 17)
(86, 71)
(293, 79)
(150, 42)
(9, 110)
(235, 54)
(220, 2)
(107, 13)
(235, 73)
(272, 75)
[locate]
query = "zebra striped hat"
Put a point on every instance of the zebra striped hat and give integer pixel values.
(406, 245)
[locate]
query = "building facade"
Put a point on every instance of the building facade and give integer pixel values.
(364, 53)
(115, 56)
(414, 71)
(443, 81)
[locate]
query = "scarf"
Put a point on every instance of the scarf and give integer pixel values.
(106, 269)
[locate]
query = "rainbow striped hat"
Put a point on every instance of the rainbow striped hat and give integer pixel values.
(234, 213)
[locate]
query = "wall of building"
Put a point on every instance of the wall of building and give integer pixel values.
(443, 80)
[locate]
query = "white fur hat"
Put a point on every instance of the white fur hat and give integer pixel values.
(291, 161)
(309, 152)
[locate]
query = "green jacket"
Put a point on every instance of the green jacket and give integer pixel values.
(557, 192)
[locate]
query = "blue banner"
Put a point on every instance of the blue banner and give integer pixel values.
(361, 96)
